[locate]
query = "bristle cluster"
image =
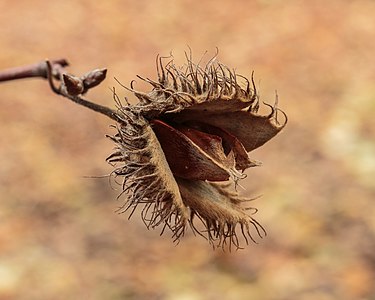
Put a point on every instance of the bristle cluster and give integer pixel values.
(146, 178)
(180, 88)
(221, 212)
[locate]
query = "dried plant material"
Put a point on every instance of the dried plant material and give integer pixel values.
(147, 178)
(184, 142)
(183, 148)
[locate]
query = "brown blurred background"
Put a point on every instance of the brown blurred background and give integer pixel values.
(60, 237)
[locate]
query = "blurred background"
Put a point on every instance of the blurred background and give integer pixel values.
(60, 237)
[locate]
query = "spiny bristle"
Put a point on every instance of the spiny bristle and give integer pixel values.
(147, 179)
(180, 88)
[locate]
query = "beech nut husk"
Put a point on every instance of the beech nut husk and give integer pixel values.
(183, 148)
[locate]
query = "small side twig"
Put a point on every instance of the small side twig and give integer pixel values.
(69, 86)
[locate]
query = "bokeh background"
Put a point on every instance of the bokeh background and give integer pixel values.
(60, 237)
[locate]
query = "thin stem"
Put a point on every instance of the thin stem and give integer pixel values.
(112, 114)
(51, 70)
(91, 105)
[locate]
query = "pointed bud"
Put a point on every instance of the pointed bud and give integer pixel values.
(93, 78)
(73, 85)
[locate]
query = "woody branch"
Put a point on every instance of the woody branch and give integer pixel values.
(62, 83)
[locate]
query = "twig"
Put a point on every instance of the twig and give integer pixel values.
(70, 86)
(33, 70)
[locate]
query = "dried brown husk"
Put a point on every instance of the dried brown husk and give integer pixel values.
(183, 97)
